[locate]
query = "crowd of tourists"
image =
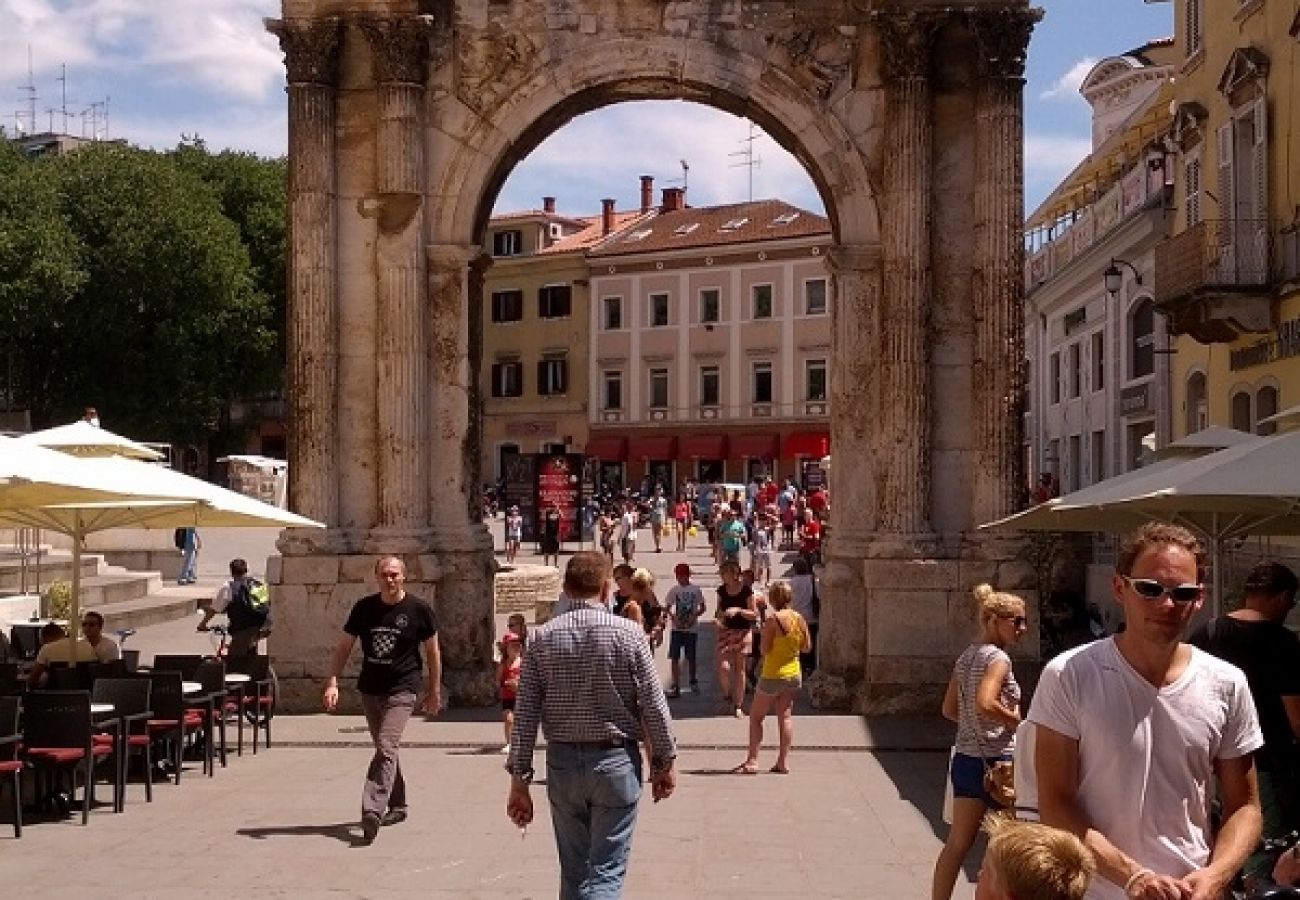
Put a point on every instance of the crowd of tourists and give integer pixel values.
(1169, 756)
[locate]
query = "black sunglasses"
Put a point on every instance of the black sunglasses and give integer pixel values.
(1154, 590)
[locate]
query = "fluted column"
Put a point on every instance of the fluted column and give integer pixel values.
(400, 51)
(855, 398)
(904, 461)
(1002, 37)
(311, 57)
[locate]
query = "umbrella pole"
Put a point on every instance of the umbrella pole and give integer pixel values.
(74, 608)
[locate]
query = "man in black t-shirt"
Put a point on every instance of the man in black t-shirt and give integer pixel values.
(391, 625)
(1254, 640)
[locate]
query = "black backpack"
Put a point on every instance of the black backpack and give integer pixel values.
(178, 538)
(248, 606)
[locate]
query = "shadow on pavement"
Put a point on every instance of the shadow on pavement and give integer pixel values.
(344, 832)
(920, 777)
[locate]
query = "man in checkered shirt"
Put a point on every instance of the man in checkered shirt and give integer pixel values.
(589, 679)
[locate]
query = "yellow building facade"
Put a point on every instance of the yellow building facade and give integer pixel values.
(1228, 277)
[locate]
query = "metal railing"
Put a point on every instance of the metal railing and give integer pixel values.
(1214, 254)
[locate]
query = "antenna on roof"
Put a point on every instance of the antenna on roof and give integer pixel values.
(686, 175)
(29, 89)
(747, 158)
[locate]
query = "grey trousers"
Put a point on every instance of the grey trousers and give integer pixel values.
(386, 717)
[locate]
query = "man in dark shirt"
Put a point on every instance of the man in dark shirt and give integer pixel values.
(1254, 640)
(590, 681)
(392, 625)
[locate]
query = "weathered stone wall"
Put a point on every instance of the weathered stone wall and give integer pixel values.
(520, 588)
(406, 116)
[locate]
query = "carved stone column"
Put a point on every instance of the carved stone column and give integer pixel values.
(400, 51)
(311, 57)
(1002, 37)
(464, 545)
(902, 467)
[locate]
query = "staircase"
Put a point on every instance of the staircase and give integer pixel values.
(126, 599)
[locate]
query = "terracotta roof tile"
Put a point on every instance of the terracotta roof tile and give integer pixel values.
(712, 226)
(592, 233)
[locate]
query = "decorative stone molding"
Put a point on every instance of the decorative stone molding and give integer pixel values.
(817, 57)
(489, 67)
(400, 47)
(1002, 36)
(310, 47)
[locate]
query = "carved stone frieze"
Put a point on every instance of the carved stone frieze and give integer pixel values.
(818, 57)
(310, 47)
(400, 47)
(906, 41)
(1002, 36)
(492, 65)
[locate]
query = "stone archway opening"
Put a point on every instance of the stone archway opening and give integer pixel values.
(403, 126)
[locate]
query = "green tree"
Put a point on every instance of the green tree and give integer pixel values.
(169, 325)
(41, 274)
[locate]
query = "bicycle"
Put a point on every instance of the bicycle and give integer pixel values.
(257, 714)
(1288, 843)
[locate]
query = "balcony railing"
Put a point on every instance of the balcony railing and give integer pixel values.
(1213, 256)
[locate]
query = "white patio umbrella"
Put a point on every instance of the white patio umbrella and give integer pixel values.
(80, 438)
(1250, 489)
(145, 496)
(31, 475)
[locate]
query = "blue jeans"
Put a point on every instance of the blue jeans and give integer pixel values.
(190, 565)
(594, 792)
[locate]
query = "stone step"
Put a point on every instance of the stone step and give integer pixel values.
(99, 591)
(53, 567)
(165, 604)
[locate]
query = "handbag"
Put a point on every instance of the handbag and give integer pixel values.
(999, 774)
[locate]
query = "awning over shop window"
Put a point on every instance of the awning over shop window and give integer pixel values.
(652, 447)
(705, 446)
(808, 443)
(608, 448)
(756, 446)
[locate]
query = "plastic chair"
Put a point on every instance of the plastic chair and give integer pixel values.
(130, 699)
(257, 697)
(57, 734)
(185, 663)
(11, 767)
(211, 703)
(171, 720)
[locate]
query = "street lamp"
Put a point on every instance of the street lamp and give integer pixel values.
(1114, 278)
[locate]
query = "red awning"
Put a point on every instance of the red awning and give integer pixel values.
(704, 446)
(756, 446)
(808, 443)
(652, 447)
(608, 448)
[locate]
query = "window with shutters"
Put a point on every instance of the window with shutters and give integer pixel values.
(554, 301)
(552, 376)
(508, 378)
(1192, 182)
(507, 306)
(1054, 378)
(1194, 33)
(1098, 361)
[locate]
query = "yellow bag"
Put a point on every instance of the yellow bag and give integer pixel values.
(692, 531)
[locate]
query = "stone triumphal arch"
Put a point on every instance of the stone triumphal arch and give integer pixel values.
(406, 116)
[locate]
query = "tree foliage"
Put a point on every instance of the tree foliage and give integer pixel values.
(148, 285)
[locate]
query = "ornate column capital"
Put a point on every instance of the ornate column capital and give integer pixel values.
(310, 47)
(906, 39)
(1002, 36)
(400, 47)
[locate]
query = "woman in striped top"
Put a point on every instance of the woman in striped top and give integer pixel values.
(983, 698)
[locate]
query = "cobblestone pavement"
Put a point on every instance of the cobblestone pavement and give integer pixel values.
(858, 816)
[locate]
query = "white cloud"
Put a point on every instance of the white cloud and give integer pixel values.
(1048, 159)
(1067, 86)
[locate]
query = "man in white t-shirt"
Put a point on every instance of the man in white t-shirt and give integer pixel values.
(685, 604)
(1133, 732)
(627, 533)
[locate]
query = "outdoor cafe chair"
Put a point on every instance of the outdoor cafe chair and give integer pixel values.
(57, 734)
(257, 697)
(68, 677)
(171, 720)
(185, 663)
(12, 682)
(11, 767)
(130, 699)
(210, 702)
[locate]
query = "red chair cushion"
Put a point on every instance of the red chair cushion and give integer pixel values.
(67, 754)
(102, 738)
(138, 740)
(163, 724)
(8, 767)
(259, 701)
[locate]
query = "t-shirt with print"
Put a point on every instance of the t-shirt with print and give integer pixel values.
(1147, 754)
(391, 636)
(685, 603)
(733, 535)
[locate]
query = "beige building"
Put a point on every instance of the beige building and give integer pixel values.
(533, 377)
(711, 342)
(1228, 278)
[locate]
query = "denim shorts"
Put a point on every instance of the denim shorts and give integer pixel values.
(968, 778)
(682, 643)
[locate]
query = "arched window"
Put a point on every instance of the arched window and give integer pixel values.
(1142, 340)
(1198, 413)
(1241, 419)
(1265, 406)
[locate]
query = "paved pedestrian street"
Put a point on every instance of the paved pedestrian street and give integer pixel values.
(848, 822)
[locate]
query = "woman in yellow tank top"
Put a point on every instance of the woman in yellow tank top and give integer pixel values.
(785, 636)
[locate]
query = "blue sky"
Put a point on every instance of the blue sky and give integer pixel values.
(206, 67)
